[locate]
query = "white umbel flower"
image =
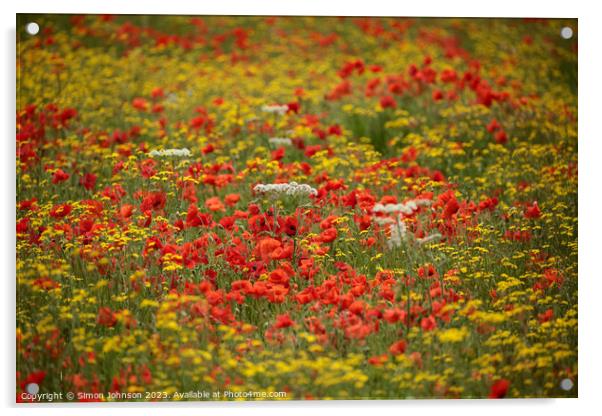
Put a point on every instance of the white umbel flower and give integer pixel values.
(383, 220)
(280, 141)
(292, 188)
(397, 227)
(275, 109)
(405, 208)
(397, 233)
(171, 153)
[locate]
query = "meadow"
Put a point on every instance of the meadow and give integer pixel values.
(296, 208)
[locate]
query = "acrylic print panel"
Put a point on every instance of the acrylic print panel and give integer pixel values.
(295, 208)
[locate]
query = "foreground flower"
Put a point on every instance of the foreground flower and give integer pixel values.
(292, 188)
(280, 141)
(397, 232)
(171, 153)
(275, 109)
(406, 208)
(499, 389)
(533, 212)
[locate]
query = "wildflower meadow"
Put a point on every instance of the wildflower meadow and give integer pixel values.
(295, 208)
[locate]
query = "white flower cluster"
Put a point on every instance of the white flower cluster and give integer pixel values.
(292, 188)
(383, 220)
(397, 232)
(397, 228)
(407, 208)
(280, 141)
(275, 109)
(171, 153)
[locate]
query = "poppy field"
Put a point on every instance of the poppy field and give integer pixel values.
(295, 208)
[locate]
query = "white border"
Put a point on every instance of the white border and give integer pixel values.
(506, 8)
(590, 185)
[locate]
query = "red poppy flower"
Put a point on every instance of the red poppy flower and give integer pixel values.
(154, 201)
(293, 107)
(231, 199)
(59, 176)
(289, 225)
(208, 149)
(493, 126)
(388, 102)
(157, 92)
(28, 204)
(279, 277)
(429, 323)
(147, 168)
(451, 208)
(437, 95)
(60, 211)
(377, 360)
(22, 225)
(312, 150)
(335, 130)
(546, 316)
(195, 218)
(357, 307)
(241, 285)
(36, 377)
(394, 315)
(140, 104)
(88, 181)
(106, 317)
(266, 247)
(126, 211)
(214, 204)
(501, 137)
(533, 212)
(284, 321)
(278, 154)
(499, 389)
(398, 348)
(328, 235)
(449, 75)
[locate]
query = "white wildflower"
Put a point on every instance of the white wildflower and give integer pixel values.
(397, 232)
(171, 153)
(277, 141)
(292, 188)
(397, 227)
(386, 209)
(383, 220)
(275, 109)
(405, 208)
